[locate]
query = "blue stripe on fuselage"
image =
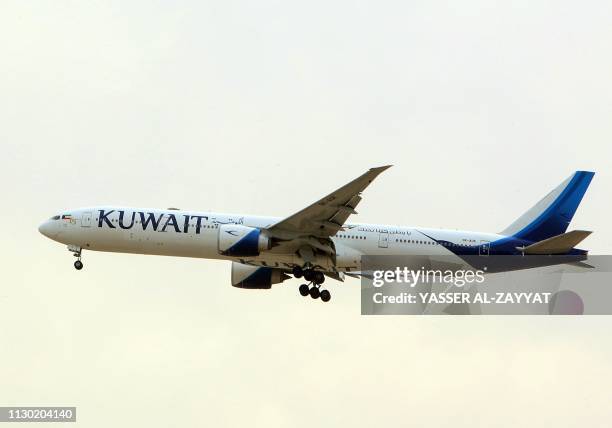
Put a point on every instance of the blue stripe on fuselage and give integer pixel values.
(502, 247)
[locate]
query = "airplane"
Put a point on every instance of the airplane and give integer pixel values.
(317, 241)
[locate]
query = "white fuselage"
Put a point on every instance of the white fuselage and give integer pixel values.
(183, 233)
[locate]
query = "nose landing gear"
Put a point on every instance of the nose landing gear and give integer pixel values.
(78, 264)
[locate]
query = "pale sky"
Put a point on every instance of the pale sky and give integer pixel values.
(262, 108)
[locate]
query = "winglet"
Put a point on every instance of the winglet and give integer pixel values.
(376, 171)
(380, 169)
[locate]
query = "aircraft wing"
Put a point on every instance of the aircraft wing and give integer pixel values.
(325, 217)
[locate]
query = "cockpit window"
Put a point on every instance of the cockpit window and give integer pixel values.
(55, 217)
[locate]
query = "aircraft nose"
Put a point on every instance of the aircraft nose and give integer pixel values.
(45, 229)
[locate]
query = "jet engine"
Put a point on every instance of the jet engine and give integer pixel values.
(237, 240)
(256, 277)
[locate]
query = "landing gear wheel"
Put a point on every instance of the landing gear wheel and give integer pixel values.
(319, 278)
(78, 265)
(298, 272)
(325, 295)
(314, 293)
(309, 275)
(304, 290)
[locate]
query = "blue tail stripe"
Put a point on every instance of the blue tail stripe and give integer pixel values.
(556, 218)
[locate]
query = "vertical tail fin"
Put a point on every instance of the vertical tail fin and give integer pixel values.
(553, 214)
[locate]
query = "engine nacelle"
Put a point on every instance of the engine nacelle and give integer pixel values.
(237, 240)
(256, 277)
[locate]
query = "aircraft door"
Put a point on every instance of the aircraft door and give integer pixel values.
(484, 248)
(86, 219)
(383, 239)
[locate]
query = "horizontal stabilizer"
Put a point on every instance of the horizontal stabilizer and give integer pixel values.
(560, 244)
(582, 265)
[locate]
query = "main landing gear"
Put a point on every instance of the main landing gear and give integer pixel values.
(313, 288)
(78, 264)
